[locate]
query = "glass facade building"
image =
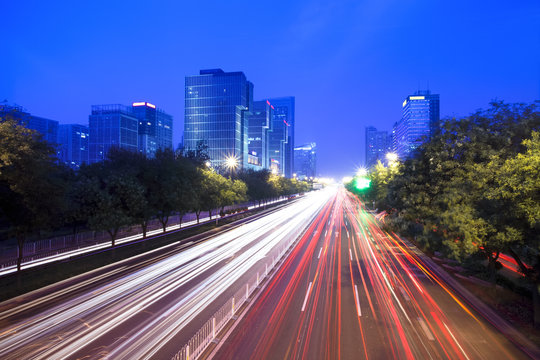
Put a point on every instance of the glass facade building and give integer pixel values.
(155, 128)
(111, 125)
(73, 144)
(46, 127)
(217, 110)
(305, 161)
(260, 122)
(281, 139)
(378, 144)
(420, 118)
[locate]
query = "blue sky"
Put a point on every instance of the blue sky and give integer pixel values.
(350, 64)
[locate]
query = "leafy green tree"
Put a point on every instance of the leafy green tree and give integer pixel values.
(31, 183)
(111, 195)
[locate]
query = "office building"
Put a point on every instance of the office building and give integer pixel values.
(111, 125)
(260, 122)
(419, 119)
(217, 110)
(155, 128)
(281, 139)
(73, 145)
(378, 144)
(305, 161)
(46, 127)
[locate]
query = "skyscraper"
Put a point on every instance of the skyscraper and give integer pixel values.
(73, 148)
(420, 118)
(155, 128)
(260, 122)
(281, 144)
(378, 144)
(305, 161)
(111, 125)
(217, 106)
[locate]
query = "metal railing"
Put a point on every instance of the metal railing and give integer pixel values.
(93, 240)
(211, 328)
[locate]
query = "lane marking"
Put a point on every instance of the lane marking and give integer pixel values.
(348, 234)
(320, 251)
(307, 295)
(350, 254)
(424, 327)
(460, 348)
(357, 301)
(404, 293)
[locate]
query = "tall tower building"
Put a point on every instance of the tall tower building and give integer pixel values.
(378, 144)
(260, 122)
(305, 161)
(420, 118)
(281, 144)
(217, 110)
(155, 128)
(73, 145)
(111, 125)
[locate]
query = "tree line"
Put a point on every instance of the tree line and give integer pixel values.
(472, 191)
(38, 194)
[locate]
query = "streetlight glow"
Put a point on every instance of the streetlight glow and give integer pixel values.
(391, 157)
(231, 162)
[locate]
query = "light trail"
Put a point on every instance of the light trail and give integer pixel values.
(408, 312)
(175, 290)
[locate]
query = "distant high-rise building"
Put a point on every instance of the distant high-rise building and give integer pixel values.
(73, 147)
(281, 142)
(305, 161)
(420, 118)
(111, 125)
(260, 122)
(155, 128)
(217, 109)
(46, 127)
(378, 144)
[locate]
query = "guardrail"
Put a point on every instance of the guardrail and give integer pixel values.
(211, 328)
(70, 245)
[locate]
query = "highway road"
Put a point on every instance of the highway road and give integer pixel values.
(349, 290)
(148, 306)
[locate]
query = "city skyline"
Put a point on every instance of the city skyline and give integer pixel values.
(59, 64)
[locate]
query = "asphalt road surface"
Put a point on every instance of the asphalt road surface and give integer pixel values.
(151, 305)
(352, 291)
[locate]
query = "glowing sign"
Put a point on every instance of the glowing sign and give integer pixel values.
(142, 103)
(417, 97)
(362, 183)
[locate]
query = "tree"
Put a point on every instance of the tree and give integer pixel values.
(31, 183)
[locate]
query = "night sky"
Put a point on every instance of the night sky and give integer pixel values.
(350, 64)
